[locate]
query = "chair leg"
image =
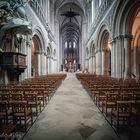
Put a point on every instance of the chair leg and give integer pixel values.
(102, 108)
(36, 111)
(40, 108)
(31, 119)
(117, 125)
(25, 126)
(111, 121)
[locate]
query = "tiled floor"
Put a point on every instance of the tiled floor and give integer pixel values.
(71, 115)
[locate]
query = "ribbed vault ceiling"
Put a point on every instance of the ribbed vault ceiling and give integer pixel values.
(70, 15)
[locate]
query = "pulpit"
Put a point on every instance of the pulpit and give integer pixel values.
(13, 61)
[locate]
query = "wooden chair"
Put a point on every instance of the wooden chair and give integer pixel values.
(121, 114)
(5, 112)
(21, 113)
(42, 96)
(136, 112)
(7, 130)
(17, 96)
(32, 101)
(134, 133)
(110, 102)
(100, 97)
(5, 96)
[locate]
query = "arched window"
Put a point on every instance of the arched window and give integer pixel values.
(66, 45)
(74, 45)
(92, 11)
(100, 1)
(69, 44)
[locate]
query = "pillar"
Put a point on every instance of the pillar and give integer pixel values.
(98, 62)
(52, 65)
(119, 58)
(127, 47)
(58, 51)
(113, 58)
(39, 63)
(55, 64)
(84, 36)
(49, 64)
(103, 62)
(43, 64)
(90, 64)
(86, 63)
(46, 64)
(94, 64)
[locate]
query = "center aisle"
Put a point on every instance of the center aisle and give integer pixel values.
(71, 115)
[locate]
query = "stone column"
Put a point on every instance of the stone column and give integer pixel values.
(94, 64)
(113, 58)
(84, 36)
(52, 65)
(43, 64)
(119, 58)
(49, 64)
(55, 64)
(98, 62)
(134, 60)
(86, 63)
(103, 62)
(127, 46)
(39, 63)
(46, 64)
(90, 64)
(58, 52)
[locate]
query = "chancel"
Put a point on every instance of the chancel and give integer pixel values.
(70, 69)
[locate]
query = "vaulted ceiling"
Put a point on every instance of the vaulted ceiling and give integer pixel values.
(70, 14)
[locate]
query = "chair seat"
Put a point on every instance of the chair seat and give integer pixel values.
(7, 112)
(134, 111)
(8, 128)
(34, 103)
(135, 130)
(22, 114)
(121, 114)
(108, 103)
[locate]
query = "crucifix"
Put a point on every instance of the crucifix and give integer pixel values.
(70, 14)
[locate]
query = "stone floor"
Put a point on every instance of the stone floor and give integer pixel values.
(71, 115)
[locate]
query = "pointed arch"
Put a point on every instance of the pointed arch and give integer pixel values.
(104, 49)
(38, 33)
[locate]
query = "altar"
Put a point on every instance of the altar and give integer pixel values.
(70, 65)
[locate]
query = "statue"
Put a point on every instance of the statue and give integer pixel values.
(18, 7)
(13, 8)
(13, 15)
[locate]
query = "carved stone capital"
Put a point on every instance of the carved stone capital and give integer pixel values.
(112, 41)
(119, 37)
(128, 36)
